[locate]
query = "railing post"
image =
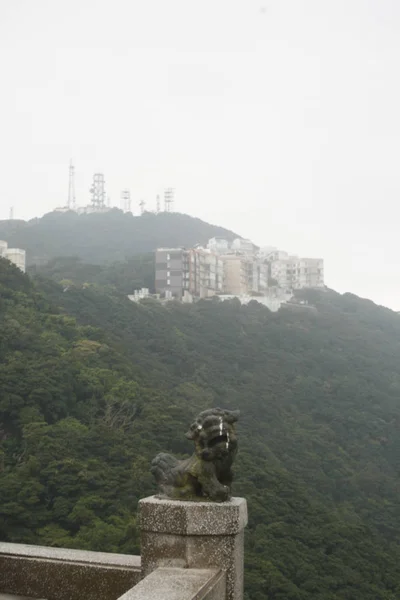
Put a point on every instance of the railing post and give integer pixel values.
(194, 535)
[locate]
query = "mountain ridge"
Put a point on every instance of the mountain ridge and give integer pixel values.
(106, 237)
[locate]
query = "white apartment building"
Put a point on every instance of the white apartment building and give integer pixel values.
(14, 255)
(276, 254)
(294, 273)
(239, 245)
(244, 247)
(218, 245)
(260, 275)
(239, 269)
(205, 273)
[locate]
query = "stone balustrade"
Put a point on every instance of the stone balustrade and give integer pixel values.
(60, 574)
(180, 584)
(189, 551)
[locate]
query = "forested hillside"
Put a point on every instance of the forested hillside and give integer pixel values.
(123, 276)
(105, 238)
(92, 386)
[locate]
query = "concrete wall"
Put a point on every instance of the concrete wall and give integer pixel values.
(274, 303)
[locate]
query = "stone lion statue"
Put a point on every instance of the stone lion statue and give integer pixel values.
(206, 475)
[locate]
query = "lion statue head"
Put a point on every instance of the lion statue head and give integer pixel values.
(213, 433)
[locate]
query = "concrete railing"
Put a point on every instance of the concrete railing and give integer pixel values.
(58, 574)
(180, 584)
(189, 551)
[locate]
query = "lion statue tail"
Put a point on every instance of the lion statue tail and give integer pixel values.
(162, 467)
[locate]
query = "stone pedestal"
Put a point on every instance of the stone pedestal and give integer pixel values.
(195, 535)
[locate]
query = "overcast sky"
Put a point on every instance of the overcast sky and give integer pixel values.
(279, 119)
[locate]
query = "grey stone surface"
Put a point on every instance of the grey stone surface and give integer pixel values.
(66, 554)
(9, 597)
(192, 518)
(59, 574)
(179, 584)
(194, 552)
(195, 536)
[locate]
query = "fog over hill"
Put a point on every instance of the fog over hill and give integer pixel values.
(105, 238)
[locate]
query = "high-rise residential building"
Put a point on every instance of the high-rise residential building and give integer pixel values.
(205, 277)
(197, 271)
(171, 268)
(238, 274)
(239, 245)
(275, 254)
(244, 247)
(15, 255)
(245, 274)
(295, 273)
(241, 270)
(266, 251)
(218, 245)
(260, 275)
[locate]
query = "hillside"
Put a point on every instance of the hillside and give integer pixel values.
(123, 276)
(105, 238)
(92, 386)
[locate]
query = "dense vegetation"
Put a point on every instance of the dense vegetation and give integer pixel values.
(105, 238)
(124, 276)
(92, 386)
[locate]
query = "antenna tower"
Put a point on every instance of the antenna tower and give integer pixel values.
(11, 213)
(168, 199)
(98, 191)
(126, 200)
(158, 204)
(71, 187)
(142, 204)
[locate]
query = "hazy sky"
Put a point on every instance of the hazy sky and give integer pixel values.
(279, 119)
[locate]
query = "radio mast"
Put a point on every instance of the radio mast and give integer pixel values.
(168, 199)
(126, 200)
(98, 191)
(71, 187)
